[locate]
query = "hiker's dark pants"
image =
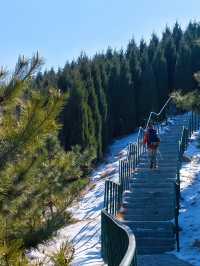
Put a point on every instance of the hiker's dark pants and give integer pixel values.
(152, 154)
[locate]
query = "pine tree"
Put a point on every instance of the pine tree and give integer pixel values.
(94, 117)
(146, 94)
(153, 46)
(177, 35)
(102, 102)
(34, 169)
(161, 79)
(132, 56)
(195, 54)
(74, 116)
(127, 106)
(183, 72)
(170, 55)
(113, 98)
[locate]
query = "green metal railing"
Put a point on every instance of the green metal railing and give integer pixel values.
(118, 246)
(112, 197)
(126, 170)
(183, 143)
(118, 243)
(122, 251)
(193, 125)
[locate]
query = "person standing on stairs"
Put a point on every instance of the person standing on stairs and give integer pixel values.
(152, 141)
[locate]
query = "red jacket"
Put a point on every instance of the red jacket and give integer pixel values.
(152, 145)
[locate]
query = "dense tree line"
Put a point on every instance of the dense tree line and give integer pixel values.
(113, 92)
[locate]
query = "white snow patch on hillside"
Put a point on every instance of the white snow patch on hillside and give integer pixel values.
(189, 218)
(85, 233)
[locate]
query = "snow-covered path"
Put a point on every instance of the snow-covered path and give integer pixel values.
(85, 232)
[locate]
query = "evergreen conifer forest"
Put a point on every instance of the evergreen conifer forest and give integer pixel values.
(56, 124)
(112, 93)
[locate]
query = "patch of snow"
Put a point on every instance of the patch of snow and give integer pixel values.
(85, 232)
(189, 218)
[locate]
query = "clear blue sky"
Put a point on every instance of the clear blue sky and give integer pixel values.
(61, 29)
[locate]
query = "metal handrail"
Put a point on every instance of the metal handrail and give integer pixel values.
(158, 114)
(131, 251)
(138, 146)
(128, 251)
(125, 255)
(154, 113)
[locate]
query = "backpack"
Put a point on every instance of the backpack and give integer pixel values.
(152, 137)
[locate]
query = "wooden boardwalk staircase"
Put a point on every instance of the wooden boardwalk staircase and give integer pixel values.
(141, 211)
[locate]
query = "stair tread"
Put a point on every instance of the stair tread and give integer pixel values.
(148, 208)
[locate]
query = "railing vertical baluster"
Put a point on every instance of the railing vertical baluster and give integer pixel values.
(129, 150)
(110, 197)
(196, 121)
(113, 198)
(116, 199)
(126, 175)
(142, 142)
(192, 121)
(120, 165)
(128, 168)
(121, 178)
(105, 196)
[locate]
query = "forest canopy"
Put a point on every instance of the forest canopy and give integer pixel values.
(112, 93)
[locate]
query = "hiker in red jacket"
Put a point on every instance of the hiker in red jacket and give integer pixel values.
(152, 141)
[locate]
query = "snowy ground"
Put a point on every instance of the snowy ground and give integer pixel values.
(190, 205)
(85, 233)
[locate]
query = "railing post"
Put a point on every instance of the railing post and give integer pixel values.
(192, 121)
(177, 229)
(110, 197)
(177, 206)
(120, 171)
(106, 196)
(134, 151)
(195, 126)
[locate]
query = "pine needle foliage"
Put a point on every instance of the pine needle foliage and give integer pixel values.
(64, 256)
(189, 101)
(36, 174)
